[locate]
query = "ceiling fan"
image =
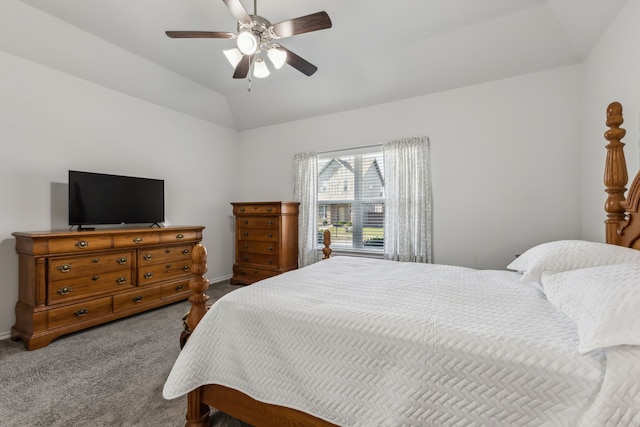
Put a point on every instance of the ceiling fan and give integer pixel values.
(256, 34)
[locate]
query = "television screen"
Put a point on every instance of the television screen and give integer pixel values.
(96, 198)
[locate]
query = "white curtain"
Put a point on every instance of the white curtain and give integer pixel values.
(407, 221)
(305, 191)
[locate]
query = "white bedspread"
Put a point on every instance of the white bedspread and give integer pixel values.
(362, 342)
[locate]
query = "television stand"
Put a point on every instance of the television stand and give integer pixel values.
(70, 281)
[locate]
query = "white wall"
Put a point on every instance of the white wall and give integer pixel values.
(51, 122)
(505, 160)
(612, 73)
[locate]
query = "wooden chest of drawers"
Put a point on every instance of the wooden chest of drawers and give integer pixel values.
(266, 240)
(69, 281)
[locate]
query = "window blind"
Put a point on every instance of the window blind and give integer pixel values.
(351, 198)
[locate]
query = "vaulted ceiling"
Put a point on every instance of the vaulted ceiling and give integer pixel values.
(376, 52)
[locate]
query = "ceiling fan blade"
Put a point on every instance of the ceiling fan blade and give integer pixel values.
(242, 69)
(299, 63)
(200, 35)
(304, 24)
(238, 11)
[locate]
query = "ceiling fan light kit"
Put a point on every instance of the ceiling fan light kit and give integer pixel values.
(277, 56)
(260, 69)
(233, 56)
(248, 42)
(255, 36)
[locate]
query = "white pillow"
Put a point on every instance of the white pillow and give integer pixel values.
(564, 255)
(604, 302)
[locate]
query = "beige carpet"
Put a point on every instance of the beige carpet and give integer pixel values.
(109, 375)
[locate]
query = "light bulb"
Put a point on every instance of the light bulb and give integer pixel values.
(233, 56)
(277, 56)
(260, 69)
(247, 42)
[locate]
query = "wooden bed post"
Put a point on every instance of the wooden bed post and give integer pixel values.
(197, 412)
(198, 286)
(327, 242)
(615, 172)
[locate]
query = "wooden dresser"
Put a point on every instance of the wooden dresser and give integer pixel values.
(266, 240)
(73, 280)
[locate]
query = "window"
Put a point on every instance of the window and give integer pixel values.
(351, 199)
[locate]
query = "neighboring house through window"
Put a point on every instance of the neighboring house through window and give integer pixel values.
(351, 198)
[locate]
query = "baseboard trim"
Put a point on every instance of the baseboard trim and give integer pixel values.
(221, 279)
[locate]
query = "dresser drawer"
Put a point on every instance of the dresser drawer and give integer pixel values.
(160, 255)
(180, 288)
(262, 234)
(135, 298)
(68, 267)
(79, 244)
(256, 209)
(137, 239)
(86, 286)
(250, 275)
(148, 274)
(258, 222)
(179, 236)
(258, 259)
(257, 247)
(79, 312)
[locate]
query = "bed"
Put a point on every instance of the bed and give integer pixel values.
(554, 340)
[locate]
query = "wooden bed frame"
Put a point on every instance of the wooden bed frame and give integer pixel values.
(622, 228)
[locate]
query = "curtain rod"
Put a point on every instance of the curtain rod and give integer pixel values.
(349, 149)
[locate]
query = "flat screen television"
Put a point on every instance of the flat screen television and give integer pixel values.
(97, 198)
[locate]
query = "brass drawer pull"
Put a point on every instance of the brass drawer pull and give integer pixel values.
(270, 235)
(65, 290)
(64, 268)
(185, 252)
(148, 275)
(167, 266)
(167, 251)
(245, 222)
(186, 268)
(81, 312)
(270, 222)
(270, 248)
(245, 234)
(179, 288)
(147, 257)
(246, 259)
(180, 236)
(268, 209)
(82, 244)
(137, 298)
(121, 279)
(95, 260)
(96, 277)
(138, 240)
(270, 261)
(246, 246)
(122, 260)
(241, 209)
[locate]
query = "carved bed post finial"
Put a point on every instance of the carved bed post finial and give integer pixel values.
(198, 286)
(615, 172)
(327, 242)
